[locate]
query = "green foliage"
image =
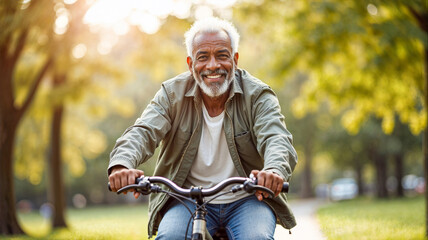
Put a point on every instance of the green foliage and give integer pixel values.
(363, 58)
(162, 61)
(81, 138)
(30, 153)
(86, 88)
(373, 219)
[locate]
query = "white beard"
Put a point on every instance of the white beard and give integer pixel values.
(214, 90)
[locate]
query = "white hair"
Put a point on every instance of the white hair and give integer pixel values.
(211, 25)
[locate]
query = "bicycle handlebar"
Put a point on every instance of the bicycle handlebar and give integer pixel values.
(144, 185)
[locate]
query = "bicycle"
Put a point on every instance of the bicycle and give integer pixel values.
(146, 185)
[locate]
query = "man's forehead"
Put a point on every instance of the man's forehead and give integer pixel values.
(220, 38)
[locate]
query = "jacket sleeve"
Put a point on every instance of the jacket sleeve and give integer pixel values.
(274, 141)
(138, 142)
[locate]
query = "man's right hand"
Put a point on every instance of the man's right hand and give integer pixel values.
(121, 176)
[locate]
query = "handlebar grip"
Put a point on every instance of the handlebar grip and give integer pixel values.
(137, 180)
(285, 185)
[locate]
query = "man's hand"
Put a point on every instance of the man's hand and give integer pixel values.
(121, 176)
(270, 180)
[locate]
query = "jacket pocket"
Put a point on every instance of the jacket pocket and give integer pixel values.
(171, 155)
(247, 150)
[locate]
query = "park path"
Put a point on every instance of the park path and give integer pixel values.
(307, 225)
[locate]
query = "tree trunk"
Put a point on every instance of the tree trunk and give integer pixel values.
(399, 173)
(359, 173)
(9, 118)
(307, 172)
(56, 192)
(8, 220)
(381, 175)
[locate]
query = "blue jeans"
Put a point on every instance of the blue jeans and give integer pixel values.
(247, 218)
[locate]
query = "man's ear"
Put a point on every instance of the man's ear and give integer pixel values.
(190, 63)
(235, 58)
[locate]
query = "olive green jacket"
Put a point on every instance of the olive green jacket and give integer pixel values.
(254, 127)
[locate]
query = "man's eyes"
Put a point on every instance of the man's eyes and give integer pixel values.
(221, 56)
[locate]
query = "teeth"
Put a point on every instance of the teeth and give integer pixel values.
(215, 76)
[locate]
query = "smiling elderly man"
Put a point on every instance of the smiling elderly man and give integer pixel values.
(215, 121)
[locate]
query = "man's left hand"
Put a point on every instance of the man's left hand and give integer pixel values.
(270, 180)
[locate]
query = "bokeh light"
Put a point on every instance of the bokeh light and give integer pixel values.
(79, 51)
(148, 15)
(372, 9)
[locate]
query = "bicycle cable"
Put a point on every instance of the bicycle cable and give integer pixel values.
(177, 197)
(200, 207)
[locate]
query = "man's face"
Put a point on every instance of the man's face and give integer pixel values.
(213, 64)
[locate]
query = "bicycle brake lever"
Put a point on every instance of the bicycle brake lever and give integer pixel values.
(265, 189)
(250, 187)
(127, 188)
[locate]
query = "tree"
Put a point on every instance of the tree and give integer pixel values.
(365, 58)
(28, 43)
(56, 189)
(20, 25)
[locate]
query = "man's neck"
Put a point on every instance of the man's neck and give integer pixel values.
(215, 105)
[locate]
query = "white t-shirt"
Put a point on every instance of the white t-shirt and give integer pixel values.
(213, 162)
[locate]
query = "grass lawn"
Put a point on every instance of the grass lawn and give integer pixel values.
(362, 219)
(103, 222)
(374, 219)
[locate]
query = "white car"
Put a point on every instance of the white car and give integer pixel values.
(343, 188)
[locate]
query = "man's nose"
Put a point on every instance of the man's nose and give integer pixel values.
(213, 64)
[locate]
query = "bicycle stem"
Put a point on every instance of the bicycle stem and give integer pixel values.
(199, 225)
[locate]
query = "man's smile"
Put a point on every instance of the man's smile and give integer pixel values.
(213, 77)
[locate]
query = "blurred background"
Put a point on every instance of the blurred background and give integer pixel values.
(351, 77)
